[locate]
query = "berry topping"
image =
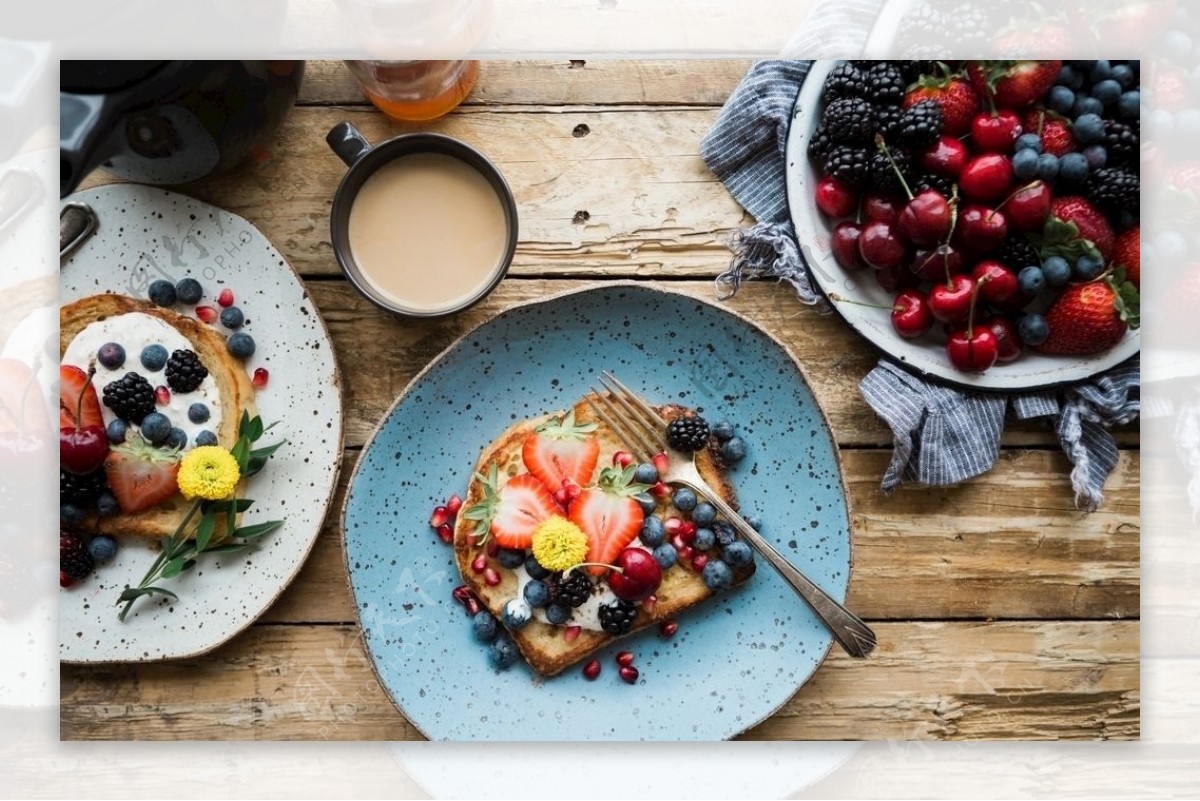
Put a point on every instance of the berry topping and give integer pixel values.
(716, 575)
(74, 561)
(102, 548)
(483, 626)
(156, 426)
(111, 355)
(198, 413)
(206, 314)
(516, 613)
(609, 515)
(162, 396)
(141, 475)
(574, 588)
(80, 490)
(206, 437)
(189, 291)
(921, 124)
(512, 512)
(562, 449)
(637, 575)
(154, 357)
(849, 120)
(617, 617)
(688, 433)
(130, 397)
(737, 554)
(185, 373)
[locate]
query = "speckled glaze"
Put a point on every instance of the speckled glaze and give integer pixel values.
(148, 233)
(735, 659)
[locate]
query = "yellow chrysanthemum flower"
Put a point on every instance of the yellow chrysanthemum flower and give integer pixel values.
(559, 544)
(209, 472)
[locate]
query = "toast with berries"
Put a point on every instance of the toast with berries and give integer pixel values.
(534, 488)
(140, 475)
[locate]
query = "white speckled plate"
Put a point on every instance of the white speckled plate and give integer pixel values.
(147, 233)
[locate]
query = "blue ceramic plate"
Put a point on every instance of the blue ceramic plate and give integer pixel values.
(735, 660)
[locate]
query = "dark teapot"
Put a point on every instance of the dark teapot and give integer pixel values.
(169, 122)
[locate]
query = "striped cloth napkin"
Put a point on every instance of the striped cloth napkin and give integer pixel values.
(941, 435)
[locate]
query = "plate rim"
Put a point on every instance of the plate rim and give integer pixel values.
(591, 286)
(337, 468)
(819, 69)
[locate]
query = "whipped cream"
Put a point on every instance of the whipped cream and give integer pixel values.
(134, 331)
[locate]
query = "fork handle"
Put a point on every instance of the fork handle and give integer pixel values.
(848, 629)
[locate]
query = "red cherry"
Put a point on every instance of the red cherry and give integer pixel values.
(947, 157)
(1008, 343)
(880, 245)
(1029, 206)
(973, 351)
(82, 450)
(910, 315)
(844, 244)
(835, 198)
(926, 219)
(980, 229)
(637, 577)
(937, 264)
(995, 131)
(986, 177)
(894, 279)
(881, 207)
(951, 302)
(997, 283)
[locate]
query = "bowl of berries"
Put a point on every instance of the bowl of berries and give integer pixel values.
(977, 221)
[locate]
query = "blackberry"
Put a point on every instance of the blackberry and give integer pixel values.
(574, 589)
(687, 434)
(1115, 190)
(883, 175)
(937, 183)
(845, 80)
(849, 121)
(617, 617)
(885, 84)
(819, 146)
(130, 397)
(1016, 252)
(850, 165)
(80, 490)
(887, 122)
(913, 69)
(73, 557)
(1122, 142)
(921, 124)
(185, 373)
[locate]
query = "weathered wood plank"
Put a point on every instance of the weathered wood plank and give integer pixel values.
(1008, 546)
(927, 681)
(698, 82)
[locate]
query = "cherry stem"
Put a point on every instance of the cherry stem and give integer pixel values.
(1014, 193)
(953, 203)
(983, 279)
(593, 564)
(836, 298)
(882, 145)
(79, 400)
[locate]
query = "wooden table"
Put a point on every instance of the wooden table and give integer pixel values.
(1001, 611)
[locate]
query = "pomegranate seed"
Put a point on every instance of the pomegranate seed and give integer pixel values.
(699, 561)
(622, 459)
(571, 633)
(472, 539)
(261, 376)
(440, 516)
(591, 670)
(625, 658)
(572, 488)
(206, 314)
(661, 490)
(629, 674)
(672, 525)
(454, 504)
(480, 563)
(461, 593)
(491, 577)
(473, 607)
(677, 541)
(668, 628)
(661, 463)
(445, 533)
(65, 581)
(493, 548)
(685, 553)
(688, 529)
(225, 299)
(162, 395)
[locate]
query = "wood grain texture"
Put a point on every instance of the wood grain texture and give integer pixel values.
(927, 681)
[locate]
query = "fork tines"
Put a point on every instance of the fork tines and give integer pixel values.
(632, 419)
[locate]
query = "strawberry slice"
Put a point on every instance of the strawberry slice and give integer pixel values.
(609, 515)
(141, 475)
(71, 382)
(561, 449)
(513, 512)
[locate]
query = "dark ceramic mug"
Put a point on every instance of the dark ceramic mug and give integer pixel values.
(364, 159)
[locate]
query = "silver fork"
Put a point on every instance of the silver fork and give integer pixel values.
(642, 431)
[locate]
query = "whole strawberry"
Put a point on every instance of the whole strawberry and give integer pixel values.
(1127, 255)
(1090, 223)
(74, 561)
(1054, 131)
(1090, 318)
(1013, 84)
(954, 94)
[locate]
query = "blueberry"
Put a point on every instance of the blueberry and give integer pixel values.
(161, 293)
(1073, 167)
(733, 450)
(483, 625)
(1070, 77)
(1087, 267)
(1123, 74)
(722, 430)
(1025, 163)
(1107, 91)
(725, 532)
(70, 516)
(754, 521)
(511, 558)
(1087, 105)
(737, 554)
(1088, 129)
(198, 413)
(684, 499)
(558, 614)
(665, 555)
(536, 593)
(102, 548)
(176, 439)
(232, 317)
(503, 653)
(206, 437)
(645, 473)
(717, 575)
(116, 431)
(1096, 156)
(241, 345)
(1061, 99)
(1029, 141)
(704, 513)
(1101, 69)
(653, 532)
(1033, 329)
(705, 539)
(1057, 270)
(534, 569)
(189, 291)
(106, 504)
(154, 357)
(156, 427)
(1031, 279)
(647, 502)
(516, 613)
(1047, 167)
(111, 355)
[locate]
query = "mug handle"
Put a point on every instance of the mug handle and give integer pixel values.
(345, 140)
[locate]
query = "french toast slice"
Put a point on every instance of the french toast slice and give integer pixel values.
(233, 385)
(543, 645)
